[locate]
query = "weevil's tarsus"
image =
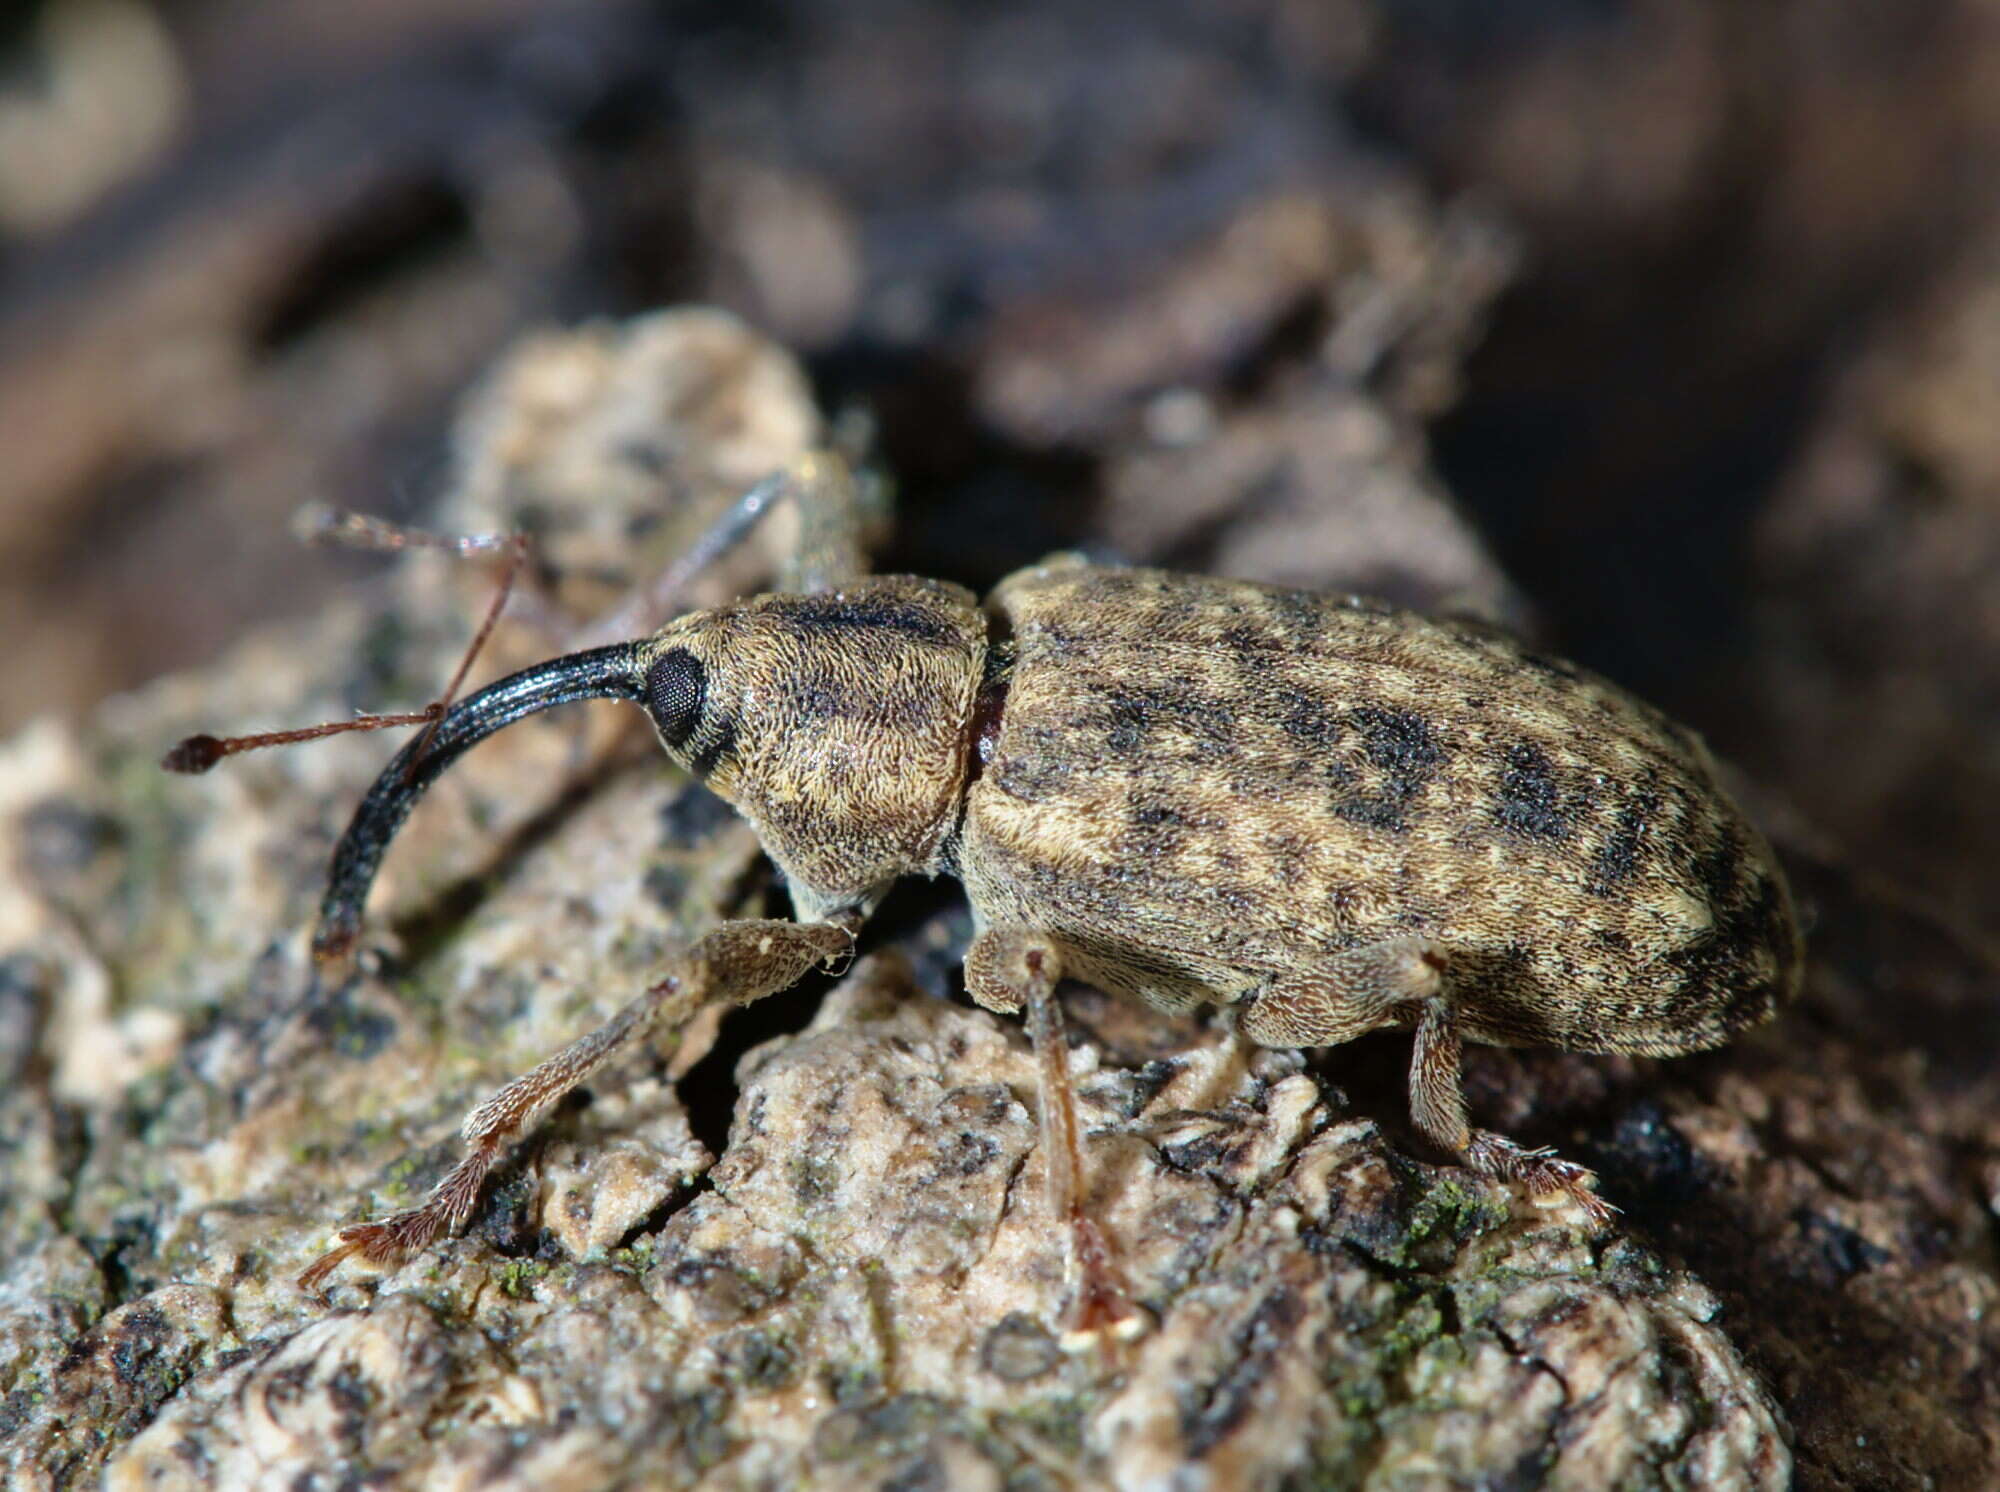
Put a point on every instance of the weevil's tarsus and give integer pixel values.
(1404, 981)
(1012, 969)
(738, 963)
(613, 672)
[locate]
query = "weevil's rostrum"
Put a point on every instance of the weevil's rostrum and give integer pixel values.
(1328, 814)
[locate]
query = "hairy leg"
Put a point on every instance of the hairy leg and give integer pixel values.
(738, 963)
(1437, 1104)
(1011, 969)
(1390, 984)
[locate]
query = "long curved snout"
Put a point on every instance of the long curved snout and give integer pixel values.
(613, 672)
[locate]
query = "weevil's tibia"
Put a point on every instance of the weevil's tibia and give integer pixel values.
(1402, 981)
(1013, 969)
(1437, 1104)
(612, 672)
(739, 962)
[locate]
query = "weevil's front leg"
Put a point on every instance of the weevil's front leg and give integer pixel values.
(740, 962)
(1012, 969)
(828, 551)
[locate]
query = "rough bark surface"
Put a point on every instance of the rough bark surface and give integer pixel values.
(863, 1284)
(1116, 277)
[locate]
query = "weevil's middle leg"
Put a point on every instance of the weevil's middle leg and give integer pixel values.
(740, 962)
(1013, 969)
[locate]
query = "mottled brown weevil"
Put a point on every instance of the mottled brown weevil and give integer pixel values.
(1325, 813)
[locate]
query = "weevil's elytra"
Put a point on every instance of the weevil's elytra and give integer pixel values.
(1328, 814)
(1249, 782)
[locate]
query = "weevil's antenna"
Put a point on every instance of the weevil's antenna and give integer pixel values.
(601, 673)
(318, 523)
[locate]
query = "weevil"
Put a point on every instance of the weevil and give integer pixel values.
(1326, 814)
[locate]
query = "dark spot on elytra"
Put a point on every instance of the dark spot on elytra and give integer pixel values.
(1037, 763)
(1404, 751)
(1248, 644)
(1721, 868)
(1717, 985)
(1619, 858)
(1529, 803)
(1307, 720)
(1155, 828)
(1130, 719)
(835, 615)
(1299, 614)
(1125, 725)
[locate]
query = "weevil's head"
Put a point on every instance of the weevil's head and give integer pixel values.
(838, 724)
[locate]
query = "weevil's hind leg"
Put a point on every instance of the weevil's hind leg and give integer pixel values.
(1437, 1104)
(740, 962)
(1392, 983)
(1016, 969)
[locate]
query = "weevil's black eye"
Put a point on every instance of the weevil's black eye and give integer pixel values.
(676, 685)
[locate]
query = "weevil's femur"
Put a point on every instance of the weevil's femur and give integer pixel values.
(602, 673)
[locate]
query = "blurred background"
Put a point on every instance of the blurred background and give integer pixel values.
(1689, 308)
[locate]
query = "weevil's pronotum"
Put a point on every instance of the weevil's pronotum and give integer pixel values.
(1326, 814)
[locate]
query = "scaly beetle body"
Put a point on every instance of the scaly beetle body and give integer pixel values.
(1329, 814)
